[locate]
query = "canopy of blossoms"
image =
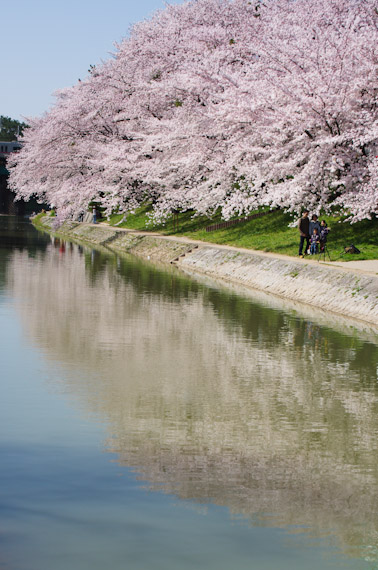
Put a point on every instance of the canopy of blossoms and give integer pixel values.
(219, 105)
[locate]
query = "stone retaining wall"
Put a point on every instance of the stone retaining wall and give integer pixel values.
(149, 247)
(346, 292)
(333, 289)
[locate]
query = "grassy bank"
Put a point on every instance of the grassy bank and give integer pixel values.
(268, 233)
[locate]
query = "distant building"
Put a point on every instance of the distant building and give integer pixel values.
(7, 147)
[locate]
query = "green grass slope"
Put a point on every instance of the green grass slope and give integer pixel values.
(271, 232)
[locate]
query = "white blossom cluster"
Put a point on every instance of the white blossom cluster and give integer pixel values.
(219, 105)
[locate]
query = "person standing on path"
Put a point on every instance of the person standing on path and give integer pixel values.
(324, 230)
(94, 216)
(314, 241)
(314, 223)
(304, 232)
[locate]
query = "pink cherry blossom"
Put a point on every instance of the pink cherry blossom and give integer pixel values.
(219, 105)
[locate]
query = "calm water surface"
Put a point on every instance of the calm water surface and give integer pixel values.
(151, 421)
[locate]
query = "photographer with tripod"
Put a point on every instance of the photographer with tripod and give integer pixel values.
(324, 230)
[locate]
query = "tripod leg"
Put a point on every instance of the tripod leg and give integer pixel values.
(320, 253)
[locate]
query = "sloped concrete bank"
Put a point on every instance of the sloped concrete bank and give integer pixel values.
(351, 293)
(348, 293)
(153, 247)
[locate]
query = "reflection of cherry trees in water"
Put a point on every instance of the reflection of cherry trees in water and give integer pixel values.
(212, 396)
(215, 104)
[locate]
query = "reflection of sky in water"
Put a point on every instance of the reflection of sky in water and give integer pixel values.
(206, 395)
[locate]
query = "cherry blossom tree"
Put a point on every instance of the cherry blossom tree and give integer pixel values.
(218, 104)
(318, 70)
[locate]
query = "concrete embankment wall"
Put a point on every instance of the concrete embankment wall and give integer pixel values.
(333, 289)
(155, 248)
(349, 293)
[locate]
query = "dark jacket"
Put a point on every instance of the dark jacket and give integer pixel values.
(304, 226)
(314, 225)
(323, 233)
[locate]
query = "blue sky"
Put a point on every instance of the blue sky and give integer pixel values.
(49, 44)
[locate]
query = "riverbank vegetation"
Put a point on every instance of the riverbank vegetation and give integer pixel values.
(272, 232)
(219, 106)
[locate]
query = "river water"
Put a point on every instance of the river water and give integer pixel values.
(149, 420)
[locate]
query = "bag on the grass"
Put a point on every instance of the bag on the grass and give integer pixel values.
(351, 249)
